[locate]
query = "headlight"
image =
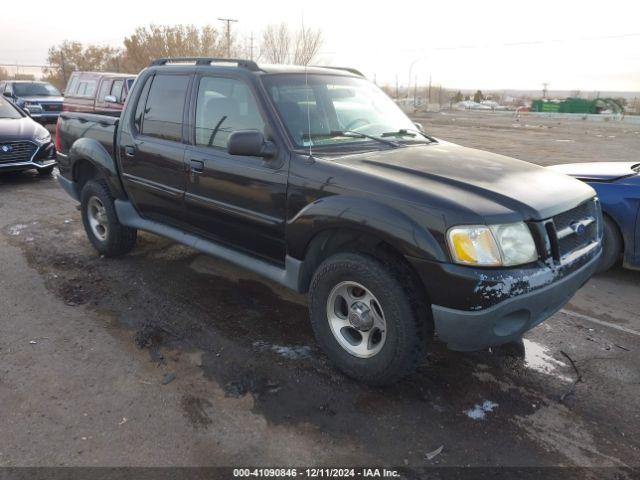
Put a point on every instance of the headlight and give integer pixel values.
(33, 107)
(493, 245)
(43, 137)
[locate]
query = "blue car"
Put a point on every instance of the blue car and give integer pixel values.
(618, 187)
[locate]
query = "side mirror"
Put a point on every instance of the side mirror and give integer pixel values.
(419, 126)
(111, 99)
(7, 94)
(250, 143)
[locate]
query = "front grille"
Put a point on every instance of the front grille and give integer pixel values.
(11, 152)
(575, 229)
(51, 107)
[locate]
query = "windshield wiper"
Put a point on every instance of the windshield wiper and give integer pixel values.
(410, 132)
(348, 133)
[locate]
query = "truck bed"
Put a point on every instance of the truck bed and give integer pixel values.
(75, 125)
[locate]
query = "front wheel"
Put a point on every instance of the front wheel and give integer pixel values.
(367, 318)
(104, 230)
(612, 245)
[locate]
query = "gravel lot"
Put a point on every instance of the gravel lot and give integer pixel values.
(168, 357)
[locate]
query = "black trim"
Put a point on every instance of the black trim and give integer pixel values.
(231, 209)
(154, 187)
(288, 276)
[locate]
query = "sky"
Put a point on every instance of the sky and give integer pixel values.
(571, 45)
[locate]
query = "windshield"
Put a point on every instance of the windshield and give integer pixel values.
(35, 90)
(323, 110)
(7, 110)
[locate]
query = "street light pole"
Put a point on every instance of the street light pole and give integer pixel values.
(228, 22)
(410, 74)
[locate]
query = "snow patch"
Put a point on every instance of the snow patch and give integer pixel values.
(290, 352)
(17, 229)
(478, 412)
(537, 358)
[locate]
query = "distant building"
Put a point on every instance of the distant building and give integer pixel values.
(577, 105)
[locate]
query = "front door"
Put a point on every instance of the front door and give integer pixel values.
(153, 155)
(233, 199)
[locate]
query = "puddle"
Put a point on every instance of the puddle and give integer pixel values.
(479, 412)
(537, 358)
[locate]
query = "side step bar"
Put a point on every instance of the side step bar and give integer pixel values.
(289, 276)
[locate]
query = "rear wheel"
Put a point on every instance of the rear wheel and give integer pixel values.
(367, 319)
(101, 223)
(612, 246)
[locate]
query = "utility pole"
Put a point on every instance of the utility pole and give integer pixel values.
(415, 91)
(251, 46)
(228, 22)
(64, 69)
(545, 86)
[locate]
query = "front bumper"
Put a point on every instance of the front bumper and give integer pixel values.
(498, 312)
(43, 157)
(19, 166)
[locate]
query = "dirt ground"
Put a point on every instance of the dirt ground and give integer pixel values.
(168, 357)
(541, 140)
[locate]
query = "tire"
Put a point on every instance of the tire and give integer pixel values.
(395, 352)
(612, 246)
(107, 235)
(45, 172)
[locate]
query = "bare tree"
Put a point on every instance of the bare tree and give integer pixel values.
(276, 41)
(4, 74)
(281, 45)
(307, 46)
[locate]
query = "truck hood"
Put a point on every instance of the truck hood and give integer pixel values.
(43, 99)
(490, 185)
(600, 171)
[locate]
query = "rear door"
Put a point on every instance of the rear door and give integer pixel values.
(152, 156)
(103, 91)
(233, 199)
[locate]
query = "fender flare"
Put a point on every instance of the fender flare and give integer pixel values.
(88, 149)
(367, 215)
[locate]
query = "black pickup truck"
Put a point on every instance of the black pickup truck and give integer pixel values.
(313, 178)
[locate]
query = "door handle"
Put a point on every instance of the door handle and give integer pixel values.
(197, 166)
(130, 151)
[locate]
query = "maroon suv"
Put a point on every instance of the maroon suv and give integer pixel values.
(97, 92)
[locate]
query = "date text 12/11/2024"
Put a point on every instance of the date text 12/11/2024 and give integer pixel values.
(316, 473)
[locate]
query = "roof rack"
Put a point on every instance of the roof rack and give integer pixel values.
(248, 64)
(345, 69)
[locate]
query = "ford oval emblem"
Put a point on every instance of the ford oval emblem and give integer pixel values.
(6, 148)
(578, 228)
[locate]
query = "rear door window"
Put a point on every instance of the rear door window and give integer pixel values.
(71, 86)
(165, 106)
(86, 88)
